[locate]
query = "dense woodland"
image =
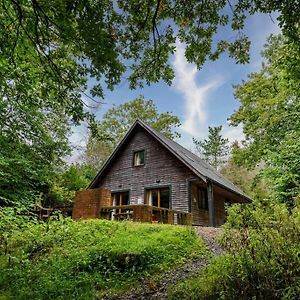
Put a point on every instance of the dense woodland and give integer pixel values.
(49, 50)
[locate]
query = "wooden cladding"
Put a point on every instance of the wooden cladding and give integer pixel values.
(160, 169)
(87, 204)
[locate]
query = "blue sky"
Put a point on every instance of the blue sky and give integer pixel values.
(200, 98)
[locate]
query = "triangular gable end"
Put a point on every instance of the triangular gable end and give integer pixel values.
(193, 162)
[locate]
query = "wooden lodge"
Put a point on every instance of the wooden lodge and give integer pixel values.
(150, 178)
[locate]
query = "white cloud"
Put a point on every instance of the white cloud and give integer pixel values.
(233, 133)
(194, 95)
(78, 140)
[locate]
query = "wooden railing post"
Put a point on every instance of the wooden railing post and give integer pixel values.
(170, 217)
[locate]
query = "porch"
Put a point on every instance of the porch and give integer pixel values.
(146, 213)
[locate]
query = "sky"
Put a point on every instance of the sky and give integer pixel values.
(200, 98)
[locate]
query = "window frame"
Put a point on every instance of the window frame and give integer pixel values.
(133, 157)
(202, 192)
(149, 188)
(122, 191)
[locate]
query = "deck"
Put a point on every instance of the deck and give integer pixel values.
(146, 213)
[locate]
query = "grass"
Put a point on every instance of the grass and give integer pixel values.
(83, 260)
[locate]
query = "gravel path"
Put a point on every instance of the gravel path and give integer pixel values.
(209, 235)
(148, 289)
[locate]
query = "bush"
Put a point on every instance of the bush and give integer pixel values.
(262, 259)
(63, 259)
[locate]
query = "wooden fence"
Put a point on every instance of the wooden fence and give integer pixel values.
(146, 213)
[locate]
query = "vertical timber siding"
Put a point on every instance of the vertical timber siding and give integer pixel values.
(87, 204)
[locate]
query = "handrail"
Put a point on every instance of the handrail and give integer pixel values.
(146, 213)
(131, 206)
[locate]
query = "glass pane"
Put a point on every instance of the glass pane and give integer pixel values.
(152, 197)
(121, 198)
(164, 198)
(142, 157)
(203, 203)
(139, 158)
(125, 200)
(154, 194)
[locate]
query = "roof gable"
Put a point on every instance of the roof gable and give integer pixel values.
(201, 168)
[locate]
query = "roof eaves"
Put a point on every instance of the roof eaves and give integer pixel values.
(231, 190)
(113, 154)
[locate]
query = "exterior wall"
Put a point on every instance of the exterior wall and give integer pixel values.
(87, 204)
(160, 165)
(200, 216)
(220, 214)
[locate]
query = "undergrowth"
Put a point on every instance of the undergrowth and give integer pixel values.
(262, 259)
(63, 259)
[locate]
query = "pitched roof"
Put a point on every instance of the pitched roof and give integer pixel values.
(192, 161)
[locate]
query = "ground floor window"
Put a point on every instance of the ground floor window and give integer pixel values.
(159, 197)
(199, 196)
(120, 198)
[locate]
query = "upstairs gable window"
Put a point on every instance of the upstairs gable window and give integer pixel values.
(138, 158)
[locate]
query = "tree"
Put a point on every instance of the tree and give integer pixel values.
(68, 181)
(269, 111)
(117, 121)
(49, 50)
(24, 173)
(55, 46)
(247, 180)
(215, 148)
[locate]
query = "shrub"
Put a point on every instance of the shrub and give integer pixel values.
(262, 259)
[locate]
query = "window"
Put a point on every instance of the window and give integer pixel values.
(120, 198)
(138, 158)
(202, 200)
(199, 196)
(158, 197)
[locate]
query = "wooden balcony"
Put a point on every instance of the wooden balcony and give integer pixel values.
(146, 213)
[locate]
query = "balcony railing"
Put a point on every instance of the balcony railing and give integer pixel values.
(146, 213)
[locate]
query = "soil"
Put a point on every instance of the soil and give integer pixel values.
(148, 289)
